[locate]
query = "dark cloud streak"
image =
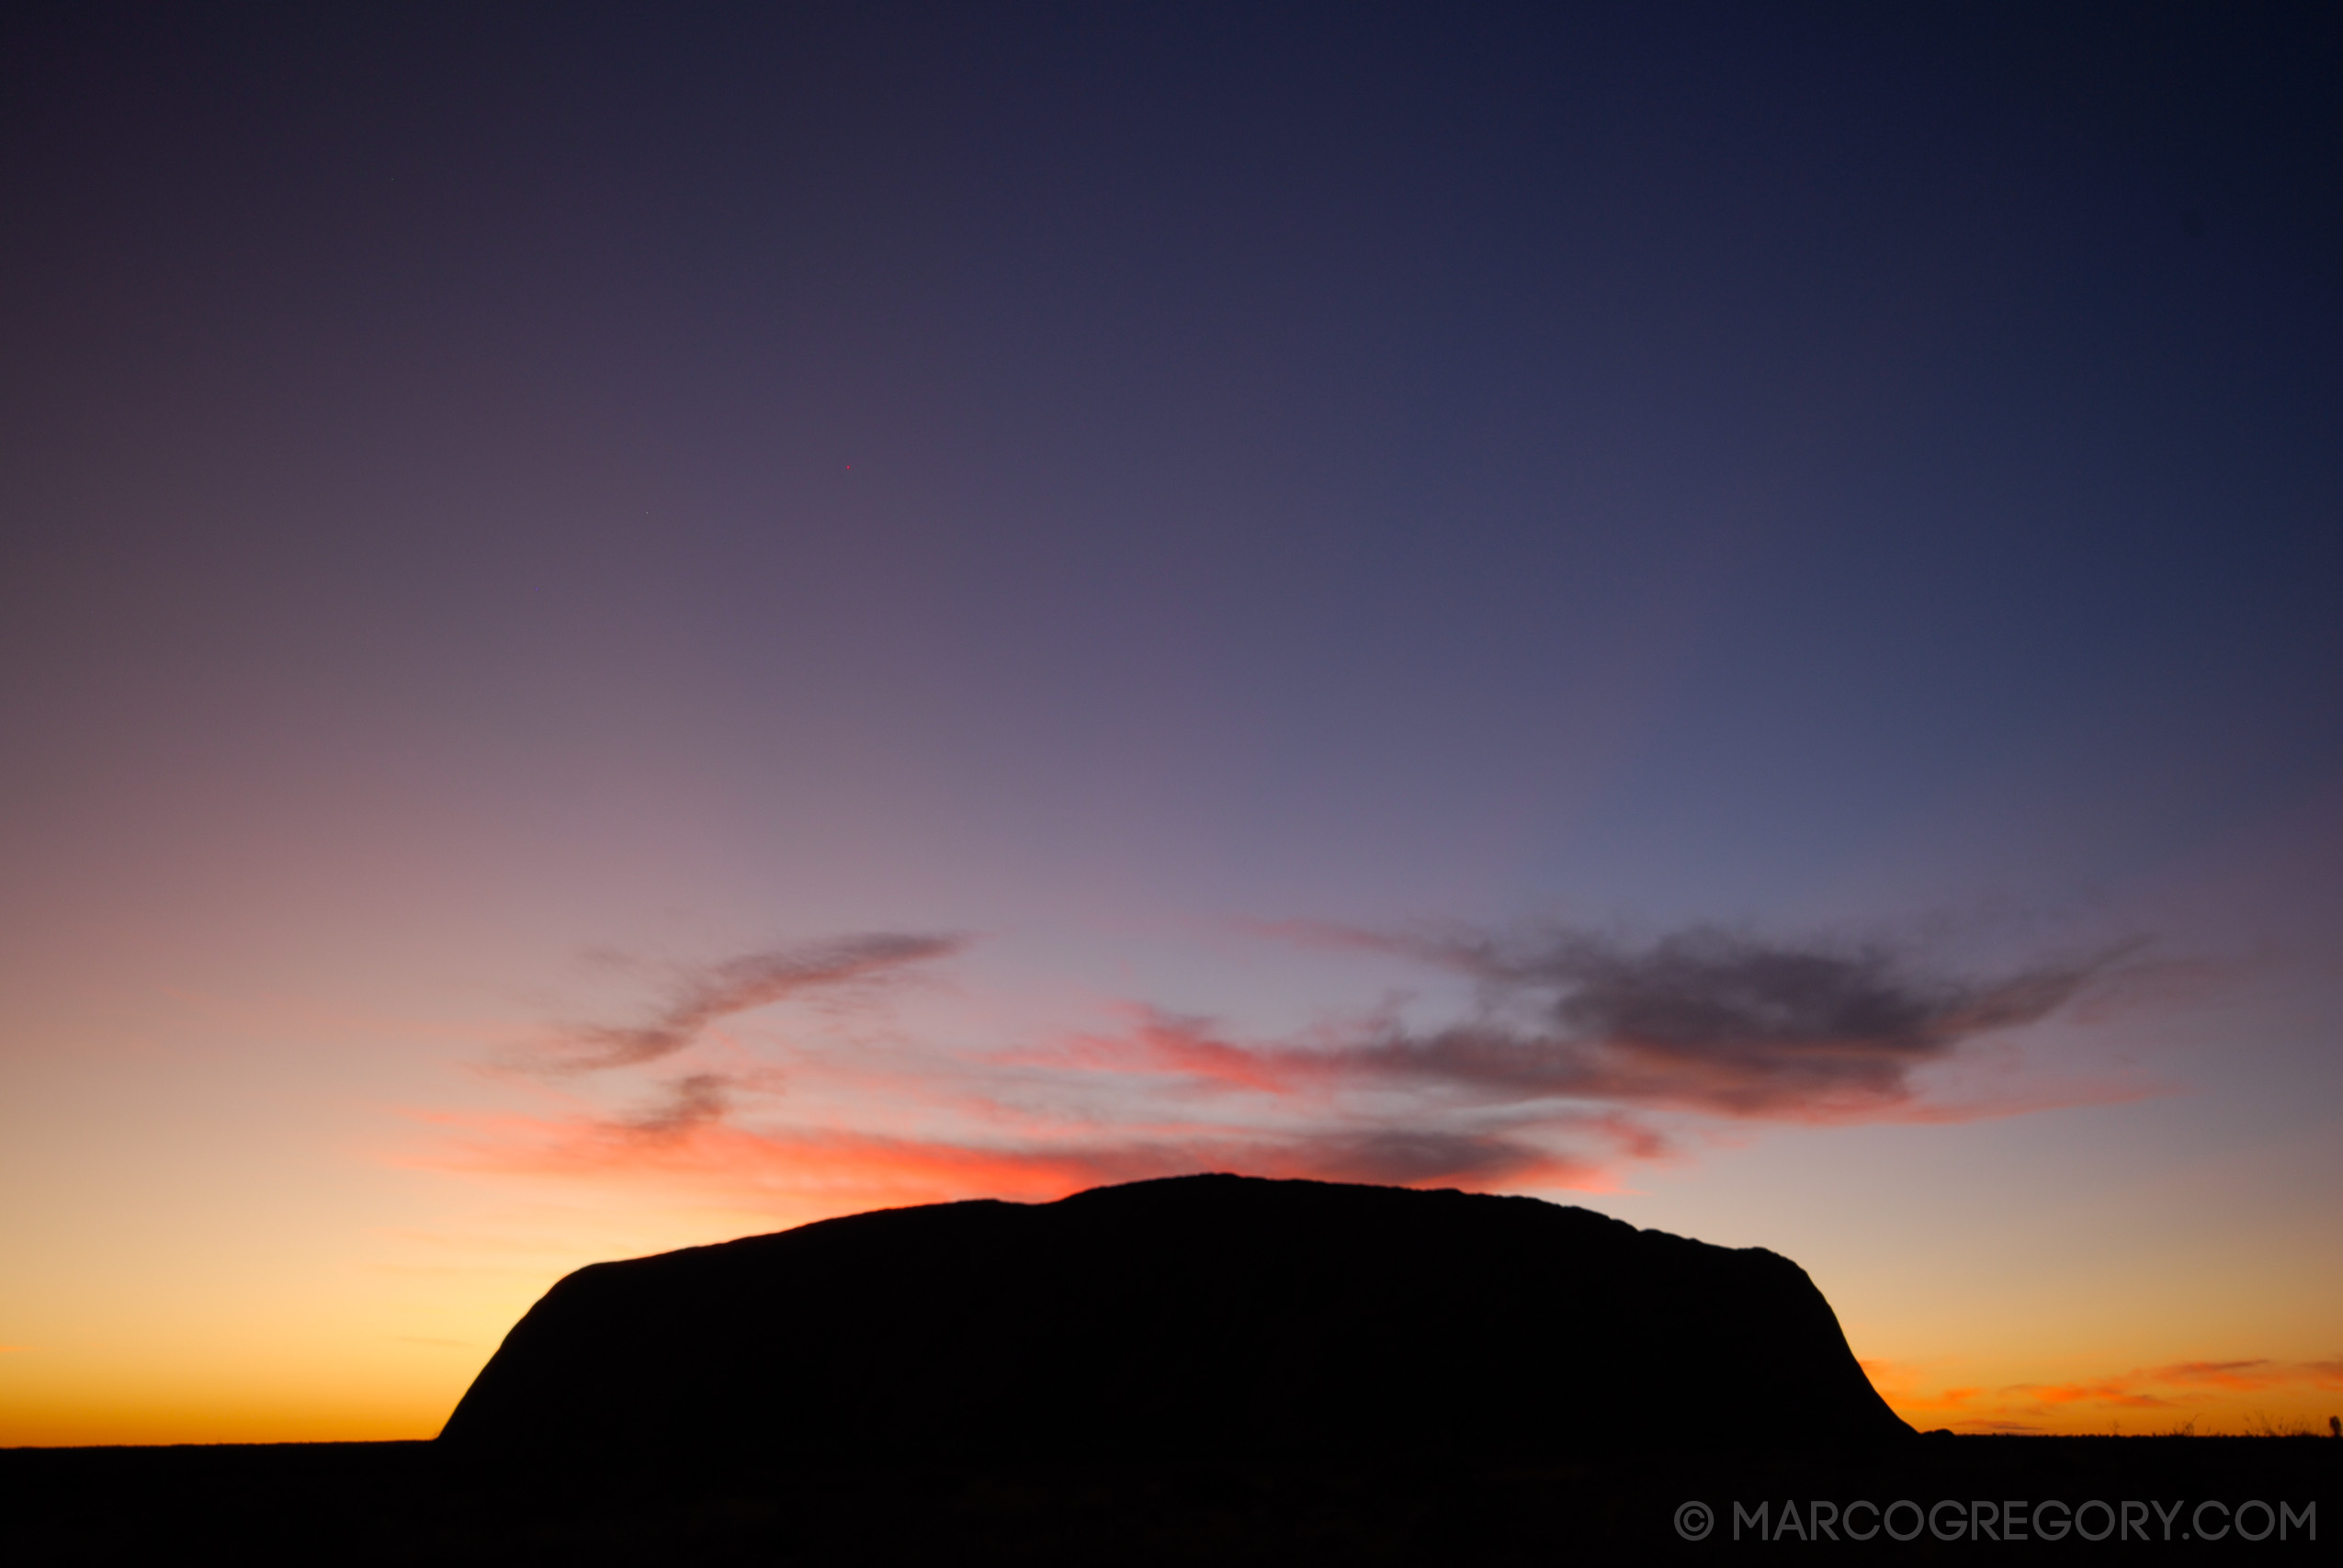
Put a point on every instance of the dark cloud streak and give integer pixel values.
(694, 1101)
(753, 981)
(1709, 1019)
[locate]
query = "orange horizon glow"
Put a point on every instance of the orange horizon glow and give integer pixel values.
(816, 1108)
(2249, 1397)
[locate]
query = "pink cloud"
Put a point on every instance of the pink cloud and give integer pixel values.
(1575, 1046)
(1189, 1048)
(880, 1169)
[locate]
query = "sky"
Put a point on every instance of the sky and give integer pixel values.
(627, 624)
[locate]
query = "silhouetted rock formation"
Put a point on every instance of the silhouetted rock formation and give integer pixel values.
(1201, 1314)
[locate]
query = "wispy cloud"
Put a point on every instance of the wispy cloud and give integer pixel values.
(699, 996)
(2241, 1376)
(1571, 1059)
(2116, 1393)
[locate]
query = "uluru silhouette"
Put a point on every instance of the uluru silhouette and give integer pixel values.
(1191, 1315)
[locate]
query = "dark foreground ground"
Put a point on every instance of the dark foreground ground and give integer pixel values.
(409, 1503)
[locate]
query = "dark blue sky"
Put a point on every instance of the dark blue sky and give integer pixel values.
(1317, 424)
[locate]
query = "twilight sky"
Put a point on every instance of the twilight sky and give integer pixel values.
(629, 625)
